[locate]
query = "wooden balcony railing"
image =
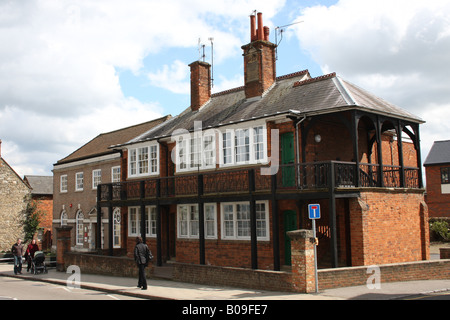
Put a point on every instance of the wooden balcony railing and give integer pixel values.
(291, 177)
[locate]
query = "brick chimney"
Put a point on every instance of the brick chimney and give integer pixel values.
(200, 84)
(259, 59)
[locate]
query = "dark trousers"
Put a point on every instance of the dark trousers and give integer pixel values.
(142, 279)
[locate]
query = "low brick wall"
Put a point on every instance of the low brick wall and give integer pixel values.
(104, 265)
(328, 278)
(233, 277)
(445, 253)
(407, 271)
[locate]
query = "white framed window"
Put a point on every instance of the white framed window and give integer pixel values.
(143, 160)
(116, 228)
(241, 146)
(79, 181)
(96, 178)
(134, 221)
(64, 218)
(80, 228)
(115, 174)
(236, 221)
(196, 151)
(188, 221)
(63, 183)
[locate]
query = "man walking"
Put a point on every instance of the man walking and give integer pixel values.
(17, 251)
(142, 256)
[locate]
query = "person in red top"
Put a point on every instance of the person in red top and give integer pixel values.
(29, 254)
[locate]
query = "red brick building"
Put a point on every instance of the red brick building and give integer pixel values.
(437, 168)
(75, 180)
(223, 182)
(42, 193)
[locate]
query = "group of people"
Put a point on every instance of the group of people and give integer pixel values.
(18, 250)
(142, 256)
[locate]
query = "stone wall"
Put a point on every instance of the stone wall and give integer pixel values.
(12, 205)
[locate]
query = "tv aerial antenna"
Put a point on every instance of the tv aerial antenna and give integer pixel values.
(281, 30)
(202, 55)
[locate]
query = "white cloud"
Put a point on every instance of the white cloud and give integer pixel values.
(396, 49)
(173, 78)
(59, 86)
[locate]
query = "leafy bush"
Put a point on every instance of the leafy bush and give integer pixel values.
(441, 230)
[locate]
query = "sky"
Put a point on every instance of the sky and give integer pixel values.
(70, 70)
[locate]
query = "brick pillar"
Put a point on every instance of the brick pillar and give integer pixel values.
(62, 245)
(302, 253)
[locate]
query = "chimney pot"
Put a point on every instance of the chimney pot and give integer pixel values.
(260, 27)
(266, 33)
(253, 28)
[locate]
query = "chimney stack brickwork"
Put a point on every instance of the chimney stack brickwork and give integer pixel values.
(259, 60)
(200, 84)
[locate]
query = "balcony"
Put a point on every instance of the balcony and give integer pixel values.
(292, 178)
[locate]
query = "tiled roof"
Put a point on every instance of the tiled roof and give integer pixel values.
(41, 185)
(297, 92)
(439, 153)
(100, 144)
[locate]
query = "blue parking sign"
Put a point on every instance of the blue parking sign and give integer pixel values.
(314, 211)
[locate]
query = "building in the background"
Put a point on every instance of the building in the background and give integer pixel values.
(437, 168)
(75, 180)
(42, 194)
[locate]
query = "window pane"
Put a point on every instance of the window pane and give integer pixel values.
(227, 148)
(242, 145)
(261, 230)
(193, 215)
(154, 159)
(228, 220)
(133, 162)
(258, 141)
(143, 160)
(445, 175)
(243, 220)
(208, 150)
(183, 220)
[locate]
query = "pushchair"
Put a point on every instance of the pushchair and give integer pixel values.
(38, 263)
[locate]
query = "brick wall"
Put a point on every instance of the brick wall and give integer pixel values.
(104, 265)
(438, 203)
(408, 271)
(389, 226)
(328, 278)
(85, 200)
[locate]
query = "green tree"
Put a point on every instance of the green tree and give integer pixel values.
(32, 218)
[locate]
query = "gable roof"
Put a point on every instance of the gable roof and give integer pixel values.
(439, 153)
(41, 185)
(296, 93)
(100, 145)
(3, 162)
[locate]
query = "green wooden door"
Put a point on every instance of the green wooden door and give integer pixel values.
(288, 158)
(290, 223)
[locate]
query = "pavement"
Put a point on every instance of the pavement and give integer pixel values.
(163, 289)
